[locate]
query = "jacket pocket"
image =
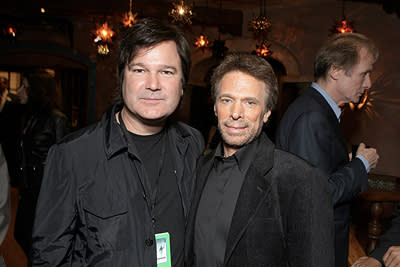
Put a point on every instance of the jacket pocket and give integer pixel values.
(106, 221)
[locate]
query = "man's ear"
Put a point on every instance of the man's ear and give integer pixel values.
(266, 115)
(335, 72)
(215, 111)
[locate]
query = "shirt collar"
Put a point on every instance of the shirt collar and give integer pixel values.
(243, 157)
(336, 109)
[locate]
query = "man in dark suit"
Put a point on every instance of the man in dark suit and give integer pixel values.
(310, 127)
(255, 205)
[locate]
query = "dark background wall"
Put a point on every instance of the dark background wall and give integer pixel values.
(63, 39)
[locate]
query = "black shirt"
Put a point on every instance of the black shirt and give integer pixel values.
(167, 212)
(217, 204)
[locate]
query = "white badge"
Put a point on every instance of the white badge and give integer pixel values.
(163, 250)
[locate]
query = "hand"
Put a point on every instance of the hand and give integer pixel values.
(367, 262)
(392, 257)
(369, 154)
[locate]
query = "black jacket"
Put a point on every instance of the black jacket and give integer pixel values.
(11, 123)
(310, 129)
(93, 209)
(283, 215)
(42, 130)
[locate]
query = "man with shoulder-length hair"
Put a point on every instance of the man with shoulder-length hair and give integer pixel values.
(255, 205)
(310, 127)
(118, 192)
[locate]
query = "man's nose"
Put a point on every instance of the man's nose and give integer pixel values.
(367, 82)
(237, 111)
(153, 82)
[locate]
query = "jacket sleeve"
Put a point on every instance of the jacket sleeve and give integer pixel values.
(62, 127)
(56, 216)
(313, 138)
(390, 238)
(310, 229)
(4, 197)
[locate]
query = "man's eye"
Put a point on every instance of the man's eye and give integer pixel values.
(225, 100)
(167, 72)
(138, 70)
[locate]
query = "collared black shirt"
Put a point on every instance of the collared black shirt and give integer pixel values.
(218, 202)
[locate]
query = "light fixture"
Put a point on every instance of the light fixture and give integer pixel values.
(10, 31)
(342, 26)
(102, 49)
(260, 25)
(104, 33)
(202, 42)
(263, 50)
(181, 13)
(103, 39)
(218, 47)
(129, 18)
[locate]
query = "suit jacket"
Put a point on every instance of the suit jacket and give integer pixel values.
(283, 215)
(310, 129)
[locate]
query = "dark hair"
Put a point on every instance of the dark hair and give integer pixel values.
(147, 33)
(342, 51)
(3, 85)
(252, 65)
(42, 92)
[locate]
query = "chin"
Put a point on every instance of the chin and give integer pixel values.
(155, 117)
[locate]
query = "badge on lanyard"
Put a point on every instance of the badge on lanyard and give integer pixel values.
(163, 250)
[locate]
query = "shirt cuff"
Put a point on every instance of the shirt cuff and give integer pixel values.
(365, 162)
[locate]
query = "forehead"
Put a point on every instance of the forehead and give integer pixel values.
(366, 61)
(241, 84)
(163, 51)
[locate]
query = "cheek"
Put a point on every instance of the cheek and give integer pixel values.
(130, 86)
(173, 89)
(221, 112)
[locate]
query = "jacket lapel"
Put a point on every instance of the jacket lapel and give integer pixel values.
(206, 164)
(255, 189)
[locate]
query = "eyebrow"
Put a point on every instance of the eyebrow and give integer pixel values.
(144, 66)
(255, 99)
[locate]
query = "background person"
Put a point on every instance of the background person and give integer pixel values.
(11, 121)
(4, 186)
(310, 127)
(45, 125)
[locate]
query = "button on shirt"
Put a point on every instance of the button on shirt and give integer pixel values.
(218, 202)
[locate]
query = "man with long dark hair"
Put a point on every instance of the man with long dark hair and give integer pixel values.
(117, 193)
(44, 126)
